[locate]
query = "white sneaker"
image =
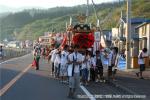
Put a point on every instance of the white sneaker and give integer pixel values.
(81, 83)
(96, 80)
(104, 81)
(101, 80)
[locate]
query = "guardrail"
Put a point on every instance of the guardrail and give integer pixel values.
(15, 52)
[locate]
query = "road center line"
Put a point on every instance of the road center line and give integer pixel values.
(13, 81)
(91, 97)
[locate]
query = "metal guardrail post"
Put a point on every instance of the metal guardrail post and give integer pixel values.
(13, 52)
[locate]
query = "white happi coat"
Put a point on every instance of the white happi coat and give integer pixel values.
(64, 58)
(53, 55)
(77, 57)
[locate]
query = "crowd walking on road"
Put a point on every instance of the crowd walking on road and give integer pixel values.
(75, 66)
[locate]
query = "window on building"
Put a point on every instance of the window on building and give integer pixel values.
(140, 45)
(143, 30)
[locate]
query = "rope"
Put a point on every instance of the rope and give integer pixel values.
(94, 6)
(106, 18)
(100, 29)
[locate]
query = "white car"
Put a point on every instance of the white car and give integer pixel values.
(13, 44)
(1, 44)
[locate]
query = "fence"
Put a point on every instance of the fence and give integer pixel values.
(14, 52)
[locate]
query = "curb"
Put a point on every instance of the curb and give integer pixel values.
(122, 88)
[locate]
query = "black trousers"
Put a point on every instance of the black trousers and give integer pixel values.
(37, 64)
(52, 67)
(99, 71)
(110, 71)
(57, 71)
(92, 74)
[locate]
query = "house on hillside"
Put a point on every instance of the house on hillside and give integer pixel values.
(144, 35)
(137, 28)
(134, 23)
(144, 38)
(121, 31)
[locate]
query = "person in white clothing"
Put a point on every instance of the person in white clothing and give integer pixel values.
(53, 56)
(143, 54)
(37, 55)
(63, 64)
(85, 67)
(74, 62)
(92, 68)
(113, 58)
(57, 63)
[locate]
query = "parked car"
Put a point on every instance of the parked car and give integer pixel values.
(13, 44)
(1, 44)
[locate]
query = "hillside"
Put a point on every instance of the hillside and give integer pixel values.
(14, 22)
(32, 23)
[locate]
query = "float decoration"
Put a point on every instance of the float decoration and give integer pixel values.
(83, 40)
(83, 34)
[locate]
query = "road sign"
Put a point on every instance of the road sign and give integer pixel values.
(97, 36)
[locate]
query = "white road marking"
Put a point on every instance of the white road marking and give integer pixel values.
(12, 59)
(13, 81)
(91, 97)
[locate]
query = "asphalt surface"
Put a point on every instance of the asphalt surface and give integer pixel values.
(39, 85)
(136, 85)
(33, 85)
(10, 69)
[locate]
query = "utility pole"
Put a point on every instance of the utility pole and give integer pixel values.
(87, 11)
(128, 35)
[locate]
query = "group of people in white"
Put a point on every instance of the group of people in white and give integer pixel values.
(81, 66)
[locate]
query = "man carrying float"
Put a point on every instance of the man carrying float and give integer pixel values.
(82, 39)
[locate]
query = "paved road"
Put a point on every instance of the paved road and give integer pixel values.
(32, 85)
(19, 81)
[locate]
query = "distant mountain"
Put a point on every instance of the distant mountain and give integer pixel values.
(15, 21)
(4, 14)
(5, 9)
(31, 23)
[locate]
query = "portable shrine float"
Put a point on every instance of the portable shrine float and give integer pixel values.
(80, 34)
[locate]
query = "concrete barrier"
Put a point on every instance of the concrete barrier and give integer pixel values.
(14, 52)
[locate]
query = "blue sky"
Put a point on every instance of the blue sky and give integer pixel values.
(46, 3)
